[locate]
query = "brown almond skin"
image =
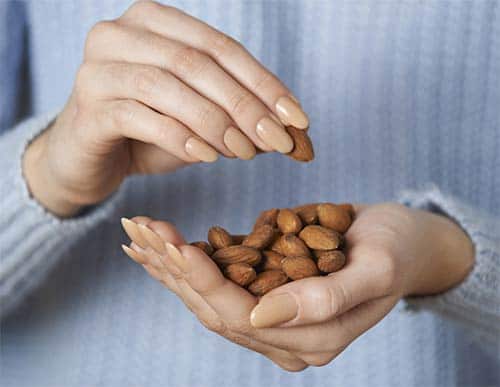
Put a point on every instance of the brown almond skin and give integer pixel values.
(238, 239)
(219, 238)
(237, 254)
(267, 217)
(297, 268)
(334, 217)
(330, 261)
(267, 281)
(240, 273)
(260, 237)
(271, 260)
(290, 245)
(307, 213)
(320, 238)
(202, 245)
(288, 221)
(303, 148)
(349, 208)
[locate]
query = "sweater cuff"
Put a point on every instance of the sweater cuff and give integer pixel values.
(475, 302)
(32, 238)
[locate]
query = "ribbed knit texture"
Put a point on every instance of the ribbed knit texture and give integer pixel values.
(400, 94)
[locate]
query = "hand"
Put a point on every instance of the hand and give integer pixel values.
(392, 252)
(157, 90)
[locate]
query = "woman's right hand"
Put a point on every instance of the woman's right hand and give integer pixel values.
(157, 90)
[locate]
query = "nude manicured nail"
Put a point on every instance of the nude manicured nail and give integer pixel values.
(174, 253)
(274, 135)
(289, 111)
(273, 310)
(201, 150)
(153, 240)
(239, 144)
(133, 254)
(132, 230)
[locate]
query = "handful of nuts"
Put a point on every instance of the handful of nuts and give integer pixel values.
(284, 245)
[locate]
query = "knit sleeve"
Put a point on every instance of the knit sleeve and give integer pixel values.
(32, 240)
(475, 302)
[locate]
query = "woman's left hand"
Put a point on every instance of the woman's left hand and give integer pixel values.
(392, 252)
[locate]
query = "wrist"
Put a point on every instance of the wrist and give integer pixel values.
(40, 180)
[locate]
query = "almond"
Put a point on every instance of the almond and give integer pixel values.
(349, 208)
(335, 217)
(237, 254)
(299, 267)
(238, 239)
(267, 217)
(267, 281)
(320, 238)
(240, 273)
(271, 260)
(202, 245)
(260, 237)
(288, 221)
(303, 149)
(219, 238)
(289, 245)
(330, 261)
(307, 213)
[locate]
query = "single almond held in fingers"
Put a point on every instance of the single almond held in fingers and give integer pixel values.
(299, 267)
(267, 281)
(219, 238)
(237, 254)
(271, 260)
(290, 245)
(260, 237)
(240, 273)
(202, 245)
(267, 217)
(349, 208)
(303, 148)
(320, 238)
(307, 213)
(334, 217)
(330, 261)
(288, 221)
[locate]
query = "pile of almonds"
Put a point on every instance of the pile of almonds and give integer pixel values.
(285, 245)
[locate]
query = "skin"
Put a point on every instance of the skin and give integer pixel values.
(393, 252)
(151, 82)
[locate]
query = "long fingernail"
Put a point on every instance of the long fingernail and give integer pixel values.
(289, 111)
(134, 255)
(274, 135)
(273, 310)
(132, 230)
(154, 240)
(174, 253)
(239, 144)
(201, 150)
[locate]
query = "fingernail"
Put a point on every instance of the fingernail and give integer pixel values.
(154, 240)
(133, 254)
(288, 110)
(273, 310)
(201, 150)
(133, 232)
(239, 144)
(174, 253)
(274, 135)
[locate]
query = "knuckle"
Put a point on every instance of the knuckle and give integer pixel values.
(263, 80)
(242, 340)
(98, 33)
(142, 7)
(318, 359)
(209, 117)
(324, 301)
(241, 326)
(147, 79)
(123, 112)
(216, 326)
(189, 62)
(240, 103)
(290, 365)
(223, 45)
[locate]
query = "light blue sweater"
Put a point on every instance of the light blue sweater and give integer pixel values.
(401, 95)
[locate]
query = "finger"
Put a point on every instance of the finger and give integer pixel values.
(161, 91)
(318, 359)
(204, 75)
(149, 159)
(231, 55)
(318, 299)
